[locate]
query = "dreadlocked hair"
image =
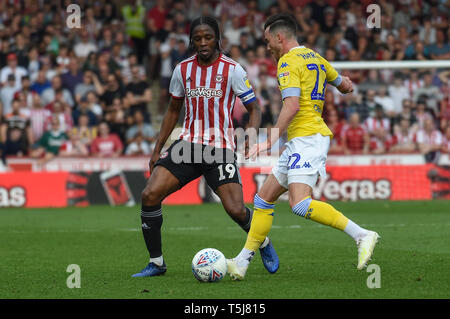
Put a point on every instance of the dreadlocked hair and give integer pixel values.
(210, 21)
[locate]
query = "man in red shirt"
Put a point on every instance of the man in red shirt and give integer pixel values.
(158, 13)
(106, 144)
(355, 139)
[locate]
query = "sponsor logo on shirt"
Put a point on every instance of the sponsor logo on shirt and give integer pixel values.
(203, 92)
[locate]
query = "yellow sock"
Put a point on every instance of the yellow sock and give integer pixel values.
(261, 223)
(320, 212)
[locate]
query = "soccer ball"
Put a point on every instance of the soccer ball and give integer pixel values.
(209, 265)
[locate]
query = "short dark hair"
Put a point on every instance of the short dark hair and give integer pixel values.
(282, 21)
(210, 21)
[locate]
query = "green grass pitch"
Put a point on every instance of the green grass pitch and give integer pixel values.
(37, 245)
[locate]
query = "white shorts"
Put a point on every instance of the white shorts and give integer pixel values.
(303, 160)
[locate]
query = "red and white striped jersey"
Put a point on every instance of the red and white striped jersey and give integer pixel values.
(403, 139)
(433, 138)
(373, 123)
(209, 93)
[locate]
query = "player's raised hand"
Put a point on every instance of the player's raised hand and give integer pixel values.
(346, 85)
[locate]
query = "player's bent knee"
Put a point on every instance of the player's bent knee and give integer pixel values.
(151, 196)
(301, 208)
(237, 212)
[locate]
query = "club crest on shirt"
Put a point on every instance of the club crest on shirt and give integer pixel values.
(219, 78)
(283, 78)
(164, 155)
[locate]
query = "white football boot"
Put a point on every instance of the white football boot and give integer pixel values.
(236, 272)
(366, 246)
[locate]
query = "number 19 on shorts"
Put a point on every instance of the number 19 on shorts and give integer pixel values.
(226, 171)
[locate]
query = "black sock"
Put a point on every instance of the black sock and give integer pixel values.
(248, 220)
(151, 217)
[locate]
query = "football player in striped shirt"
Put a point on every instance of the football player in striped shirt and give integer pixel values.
(208, 84)
(302, 78)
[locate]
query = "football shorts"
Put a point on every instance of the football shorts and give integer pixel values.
(303, 160)
(188, 161)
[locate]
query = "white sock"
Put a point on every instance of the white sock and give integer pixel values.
(265, 243)
(158, 260)
(354, 231)
(244, 257)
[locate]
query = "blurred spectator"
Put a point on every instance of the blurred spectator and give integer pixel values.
(386, 102)
(41, 82)
(431, 91)
(38, 118)
(16, 120)
(372, 82)
(147, 131)
(233, 30)
(106, 144)
(179, 53)
(446, 144)
(369, 105)
(134, 15)
(413, 82)
(132, 61)
(355, 138)
(113, 90)
(74, 147)
(14, 69)
(398, 93)
(139, 146)
(251, 67)
(138, 94)
(72, 77)
(25, 94)
(118, 118)
(403, 139)
(84, 45)
(63, 113)
(158, 14)
(429, 140)
(7, 94)
(422, 113)
(83, 109)
(94, 105)
(167, 68)
(336, 128)
(90, 83)
(378, 126)
(408, 114)
(15, 145)
(441, 49)
(85, 132)
(228, 10)
(63, 59)
(49, 95)
(49, 144)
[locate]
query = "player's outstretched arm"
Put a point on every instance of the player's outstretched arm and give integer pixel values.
(346, 85)
(168, 124)
(254, 112)
(290, 108)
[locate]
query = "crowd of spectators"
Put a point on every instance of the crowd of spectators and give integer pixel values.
(102, 89)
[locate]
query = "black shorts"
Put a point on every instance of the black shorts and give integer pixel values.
(188, 161)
